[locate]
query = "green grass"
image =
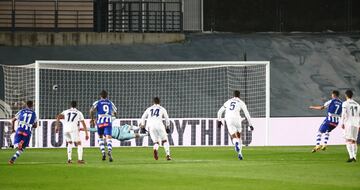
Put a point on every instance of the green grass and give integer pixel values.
(192, 168)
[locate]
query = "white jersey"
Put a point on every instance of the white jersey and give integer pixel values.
(72, 118)
(232, 109)
(155, 115)
(350, 113)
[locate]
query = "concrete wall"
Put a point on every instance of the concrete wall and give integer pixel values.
(85, 38)
(304, 67)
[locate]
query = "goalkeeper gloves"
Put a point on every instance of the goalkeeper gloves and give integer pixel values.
(143, 130)
(168, 131)
(251, 127)
(219, 123)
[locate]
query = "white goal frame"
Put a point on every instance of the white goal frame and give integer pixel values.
(38, 63)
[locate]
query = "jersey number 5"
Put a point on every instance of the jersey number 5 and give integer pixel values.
(232, 105)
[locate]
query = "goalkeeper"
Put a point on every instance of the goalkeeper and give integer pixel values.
(124, 132)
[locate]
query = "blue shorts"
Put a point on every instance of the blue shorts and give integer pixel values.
(105, 130)
(22, 137)
(327, 126)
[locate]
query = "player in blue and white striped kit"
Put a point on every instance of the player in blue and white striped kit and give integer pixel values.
(27, 121)
(105, 110)
(334, 109)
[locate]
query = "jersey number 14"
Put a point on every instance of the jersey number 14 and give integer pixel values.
(154, 112)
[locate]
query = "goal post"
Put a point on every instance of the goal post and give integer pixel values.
(187, 89)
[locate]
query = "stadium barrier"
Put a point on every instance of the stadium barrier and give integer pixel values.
(193, 132)
(86, 38)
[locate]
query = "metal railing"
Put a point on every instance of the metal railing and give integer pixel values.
(46, 15)
(145, 16)
(91, 15)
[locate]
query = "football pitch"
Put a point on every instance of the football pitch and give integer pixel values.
(191, 168)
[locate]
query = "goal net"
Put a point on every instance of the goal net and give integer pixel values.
(186, 89)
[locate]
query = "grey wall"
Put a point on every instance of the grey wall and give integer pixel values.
(304, 67)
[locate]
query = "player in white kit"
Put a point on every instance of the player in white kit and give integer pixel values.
(350, 122)
(71, 121)
(155, 115)
(233, 120)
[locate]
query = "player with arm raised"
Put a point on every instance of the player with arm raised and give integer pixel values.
(350, 119)
(72, 119)
(155, 115)
(233, 120)
(105, 110)
(331, 121)
(27, 120)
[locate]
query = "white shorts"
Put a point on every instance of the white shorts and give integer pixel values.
(351, 132)
(233, 125)
(72, 136)
(158, 133)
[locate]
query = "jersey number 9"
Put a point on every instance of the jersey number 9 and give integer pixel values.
(106, 109)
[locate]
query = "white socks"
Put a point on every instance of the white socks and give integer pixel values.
(80, 152)
(167, 148)
(69, 150)
(101, 145)
(355, 149)
(350, 150)
(235, 140)
(156, 146)
(238, 145)
(109, 144)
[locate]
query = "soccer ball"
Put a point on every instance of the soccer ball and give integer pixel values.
(55, 87)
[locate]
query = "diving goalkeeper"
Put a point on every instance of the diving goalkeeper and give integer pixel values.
(124, 132)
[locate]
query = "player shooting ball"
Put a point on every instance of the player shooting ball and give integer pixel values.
(331, 121)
